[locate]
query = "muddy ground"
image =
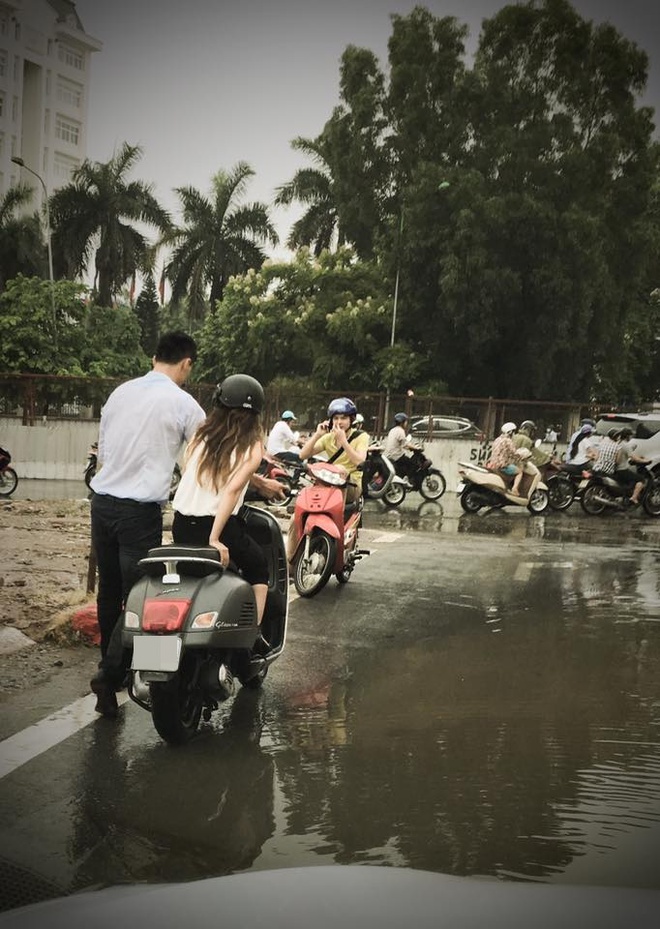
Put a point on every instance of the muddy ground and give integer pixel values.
(43, 580)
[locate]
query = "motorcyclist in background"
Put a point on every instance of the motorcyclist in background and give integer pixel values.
(396, 444)
(342, 442)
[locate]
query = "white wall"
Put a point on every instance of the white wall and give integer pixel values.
(58, 450)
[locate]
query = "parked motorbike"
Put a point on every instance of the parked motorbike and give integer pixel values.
(323, 534)
(92, 464)
(479, 487)
(603, 493)
(379, 478)
(421, 476)
(8, 477)
(192, 627)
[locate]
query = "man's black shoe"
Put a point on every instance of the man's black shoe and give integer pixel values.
(106, 698)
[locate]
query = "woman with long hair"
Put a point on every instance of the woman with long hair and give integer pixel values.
(219, 461)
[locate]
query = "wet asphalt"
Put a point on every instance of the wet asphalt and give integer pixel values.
(482, 699)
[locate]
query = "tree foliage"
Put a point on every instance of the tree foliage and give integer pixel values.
(97, 216)
(320, 319)
(82, 340)
(22, 249)
(531, 274)
(147, 311)
(220, 237)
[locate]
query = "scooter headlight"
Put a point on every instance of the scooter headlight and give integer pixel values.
(330, 477)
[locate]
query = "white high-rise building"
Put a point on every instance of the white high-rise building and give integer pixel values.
(45, 57)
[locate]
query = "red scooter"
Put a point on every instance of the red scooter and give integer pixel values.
(323, 535)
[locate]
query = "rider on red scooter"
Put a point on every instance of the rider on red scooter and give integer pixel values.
(341, 442)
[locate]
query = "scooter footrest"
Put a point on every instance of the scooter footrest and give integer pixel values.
(362, 551)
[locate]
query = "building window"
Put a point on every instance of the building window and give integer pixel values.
(71, 57)
(4, 24)
(3, 62)
(69, 94)
(67, 131)
(2, 104)
(63, 169)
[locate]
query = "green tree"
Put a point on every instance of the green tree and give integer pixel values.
(97, 215)
(320, 319)
(147, 311)
(318, 227)
(22, 249)
(85, 340)
(220, 237)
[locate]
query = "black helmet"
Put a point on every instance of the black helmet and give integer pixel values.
(625, 433)
(240, 391)
(400, 418)
(613, 434)
(344, 406)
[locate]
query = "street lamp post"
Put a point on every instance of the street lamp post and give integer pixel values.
(19, 161)
(442, 186)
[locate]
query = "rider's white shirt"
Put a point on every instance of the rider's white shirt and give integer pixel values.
(281, 438)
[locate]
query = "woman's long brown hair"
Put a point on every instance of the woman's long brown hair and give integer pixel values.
(225, 430)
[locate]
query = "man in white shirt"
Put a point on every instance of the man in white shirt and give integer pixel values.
(282, 440)
(144, 423)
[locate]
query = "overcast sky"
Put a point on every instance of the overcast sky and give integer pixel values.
(203, 84)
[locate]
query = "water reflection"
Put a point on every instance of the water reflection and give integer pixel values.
(510, 755)
(160, 814)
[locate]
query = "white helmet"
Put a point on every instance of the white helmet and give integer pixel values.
(508, 428)
(359, 419)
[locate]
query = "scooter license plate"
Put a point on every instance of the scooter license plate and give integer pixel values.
(156, 652)
(460, 487)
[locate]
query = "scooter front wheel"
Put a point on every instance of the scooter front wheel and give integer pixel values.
(538, 501)
(176, 707)
(313, 565)
(433, 485)
(561, 492)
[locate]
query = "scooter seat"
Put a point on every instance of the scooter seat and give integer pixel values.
(193, 560)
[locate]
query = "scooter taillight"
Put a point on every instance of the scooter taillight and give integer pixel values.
(164, 615)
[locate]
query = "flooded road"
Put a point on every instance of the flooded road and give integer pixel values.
(482, 699)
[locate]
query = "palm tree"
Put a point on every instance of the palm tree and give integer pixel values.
(22, 249)
(95, 214)
(319, 226)
(219, 238)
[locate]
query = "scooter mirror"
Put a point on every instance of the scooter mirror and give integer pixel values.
(537, 443)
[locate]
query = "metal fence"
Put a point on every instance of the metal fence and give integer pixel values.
(36, 398)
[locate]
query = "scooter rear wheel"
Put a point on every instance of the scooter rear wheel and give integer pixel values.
(311, 574)
(8, 482)
(591, 500)
(651, 501)
(433, 485)
(176, 707)
(471, 500)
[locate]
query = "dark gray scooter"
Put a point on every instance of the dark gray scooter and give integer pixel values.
(192, 625)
